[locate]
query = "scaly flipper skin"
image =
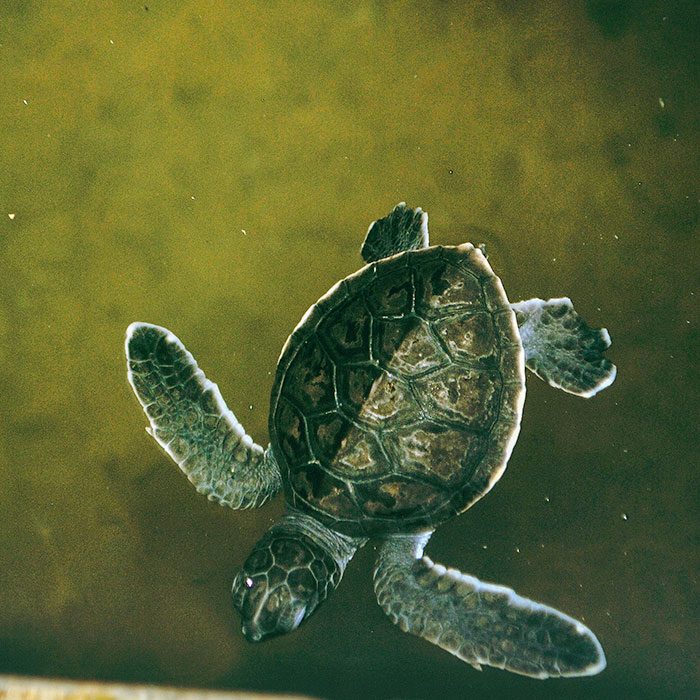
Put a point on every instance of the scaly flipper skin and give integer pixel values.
(562, 349)
(401, 230)
(480, 623)
(191, 422)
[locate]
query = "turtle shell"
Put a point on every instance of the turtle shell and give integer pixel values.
(398, 397)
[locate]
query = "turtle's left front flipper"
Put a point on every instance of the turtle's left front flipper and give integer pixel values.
(561, 348)
(480, 623)
(191, 422)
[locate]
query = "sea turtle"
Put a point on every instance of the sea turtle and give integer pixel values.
(395, 406)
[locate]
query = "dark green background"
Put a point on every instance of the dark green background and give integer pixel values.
(212, 167)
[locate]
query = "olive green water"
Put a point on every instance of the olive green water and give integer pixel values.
(212, 167)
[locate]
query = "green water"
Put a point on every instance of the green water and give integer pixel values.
(212, 167)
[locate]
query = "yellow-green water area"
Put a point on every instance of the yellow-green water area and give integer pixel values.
(212, 167)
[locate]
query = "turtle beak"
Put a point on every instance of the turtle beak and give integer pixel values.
(252, 633)
(252, 630)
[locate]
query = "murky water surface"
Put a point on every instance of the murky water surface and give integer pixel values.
(213, 167)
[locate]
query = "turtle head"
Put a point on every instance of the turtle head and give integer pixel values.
(287, 575)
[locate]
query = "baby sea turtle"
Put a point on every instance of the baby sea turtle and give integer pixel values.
(395, 406)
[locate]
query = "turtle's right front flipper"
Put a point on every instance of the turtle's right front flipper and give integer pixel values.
(191, 422)
(480, 623)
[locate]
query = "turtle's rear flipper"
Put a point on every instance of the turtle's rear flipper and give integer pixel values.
(561, 348)
(191, 422)
(478, 622)
(402, 229)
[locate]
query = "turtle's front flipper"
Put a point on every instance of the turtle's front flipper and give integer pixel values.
(481, 623)
(403, 229)
(561, 348)
(191, 422)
